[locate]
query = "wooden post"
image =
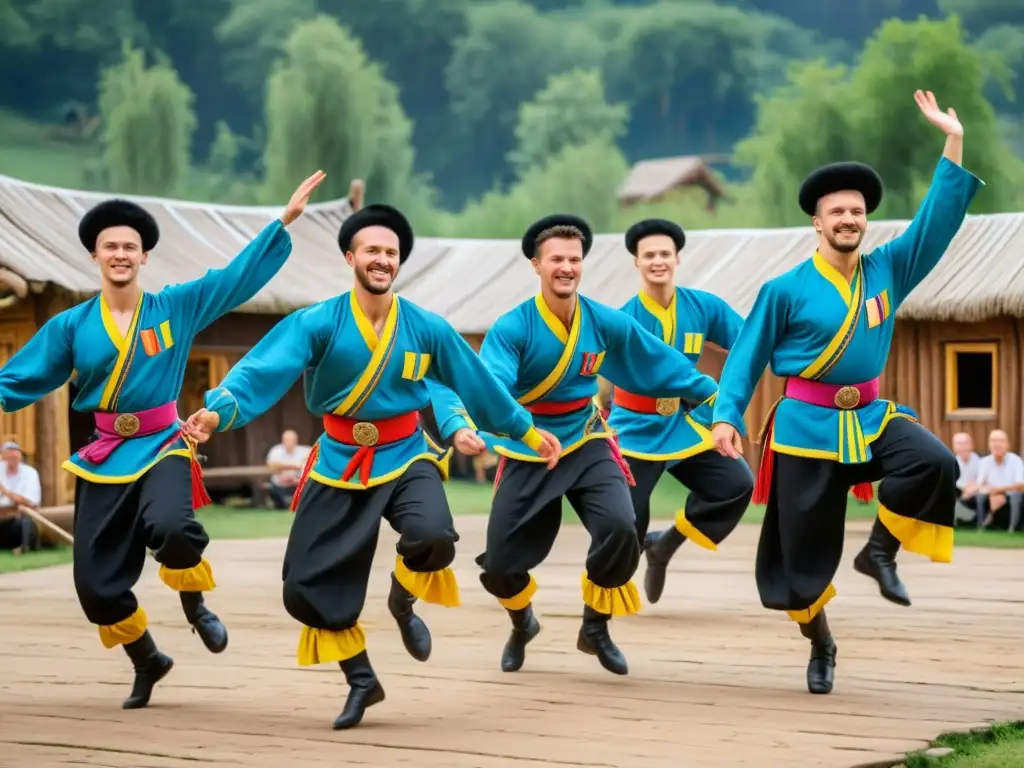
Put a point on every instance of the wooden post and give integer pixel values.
(53, 437)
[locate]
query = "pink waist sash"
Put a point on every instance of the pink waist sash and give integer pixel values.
(115, 428)
(844, 397)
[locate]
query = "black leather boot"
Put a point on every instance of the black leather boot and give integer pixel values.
(525, 627)
(204, 622)
(821, 669)
(878, 560)
(595, 640)
(415, 635)
(658, 549)
(151, 666)
(364, 691)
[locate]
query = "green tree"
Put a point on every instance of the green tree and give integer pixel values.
(328, 106)
(570, 110)
(148, 124)
(869, 114)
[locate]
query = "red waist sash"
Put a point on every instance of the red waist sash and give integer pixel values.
(838, 396)
(663, 406)
(551, 408)
(367, 435)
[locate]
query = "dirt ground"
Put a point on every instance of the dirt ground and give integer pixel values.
(715, 680)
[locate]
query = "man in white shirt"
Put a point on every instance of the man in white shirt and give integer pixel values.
(967, 485)
(1001, 477)
(19, 487)
(286, 460)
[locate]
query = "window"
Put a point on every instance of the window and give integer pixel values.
(972, 380)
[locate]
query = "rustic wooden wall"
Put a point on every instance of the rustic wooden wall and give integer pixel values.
(53, 436)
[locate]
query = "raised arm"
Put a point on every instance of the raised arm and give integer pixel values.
(268, 371)
(220, 291)
(918, 249)
(41, 366)
(640, 362)
(750, 354)
(481, 395)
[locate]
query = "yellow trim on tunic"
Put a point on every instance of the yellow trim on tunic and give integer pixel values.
(124, 632)
(120, 343)
(93, 477)
(568, 338)
(380, 348)
(165, 334)
(611, 601)
(806, 615)
(441, 464)
(815, 453)
(705, 444)
(851, 296)
(319, 646)
(664, 315)
(519, 601)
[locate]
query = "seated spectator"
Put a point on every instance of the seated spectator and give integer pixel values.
(286, 460)
(1001, 477)
(19, 487)
(967, 485)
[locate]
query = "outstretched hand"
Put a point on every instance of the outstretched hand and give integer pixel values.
(550, 449)
(946, 121)
(297, 205)
(200, 426)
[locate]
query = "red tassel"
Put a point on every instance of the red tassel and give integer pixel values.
(621, 461)
(200, 498)
(863, 492)
(310, 462)
(763, 486)
(497, 474)
(361, 461)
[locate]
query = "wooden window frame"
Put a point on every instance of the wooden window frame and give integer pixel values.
(952, 349)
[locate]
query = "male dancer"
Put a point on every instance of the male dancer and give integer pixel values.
(657, 432)
(548, 352)
(371, 361)
(138, 481)
(826, 326)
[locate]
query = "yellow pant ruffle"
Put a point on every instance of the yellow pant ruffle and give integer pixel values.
(198, 578)
(438, 587)
(928, 539)
(520, 601)
(612, 601)
(689, 530)
(125, 631)
(318, 646)
(806, 615)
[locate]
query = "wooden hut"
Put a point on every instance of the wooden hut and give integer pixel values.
(956, 356)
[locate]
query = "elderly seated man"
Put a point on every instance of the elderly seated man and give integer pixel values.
(1001, 481)
(19, 487)
(967, 485)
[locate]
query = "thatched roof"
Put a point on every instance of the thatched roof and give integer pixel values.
(471, 282)
(649, 180)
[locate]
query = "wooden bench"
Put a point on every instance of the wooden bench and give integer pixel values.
(218, 477)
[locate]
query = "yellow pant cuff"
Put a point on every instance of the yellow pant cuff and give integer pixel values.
(125, 631)
(520, 601)
(928, 539)
(438, 587)
(689, 530)
(198, 578)
(319, 646)
(806, 615)
(612, 601)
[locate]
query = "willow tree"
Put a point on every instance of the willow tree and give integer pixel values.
(148, 122)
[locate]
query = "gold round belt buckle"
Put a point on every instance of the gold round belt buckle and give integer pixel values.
(666, 406)
(847, 398)
(365, 434)
(126, 425)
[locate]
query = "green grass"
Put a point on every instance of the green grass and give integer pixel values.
(1000, 747)
(36, 152)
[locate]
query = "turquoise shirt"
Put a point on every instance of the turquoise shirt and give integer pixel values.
(351, 372)
(540, 361)
(691, 318)
(145, 369)
(811, 322)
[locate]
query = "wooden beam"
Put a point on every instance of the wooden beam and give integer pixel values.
(43, 521)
